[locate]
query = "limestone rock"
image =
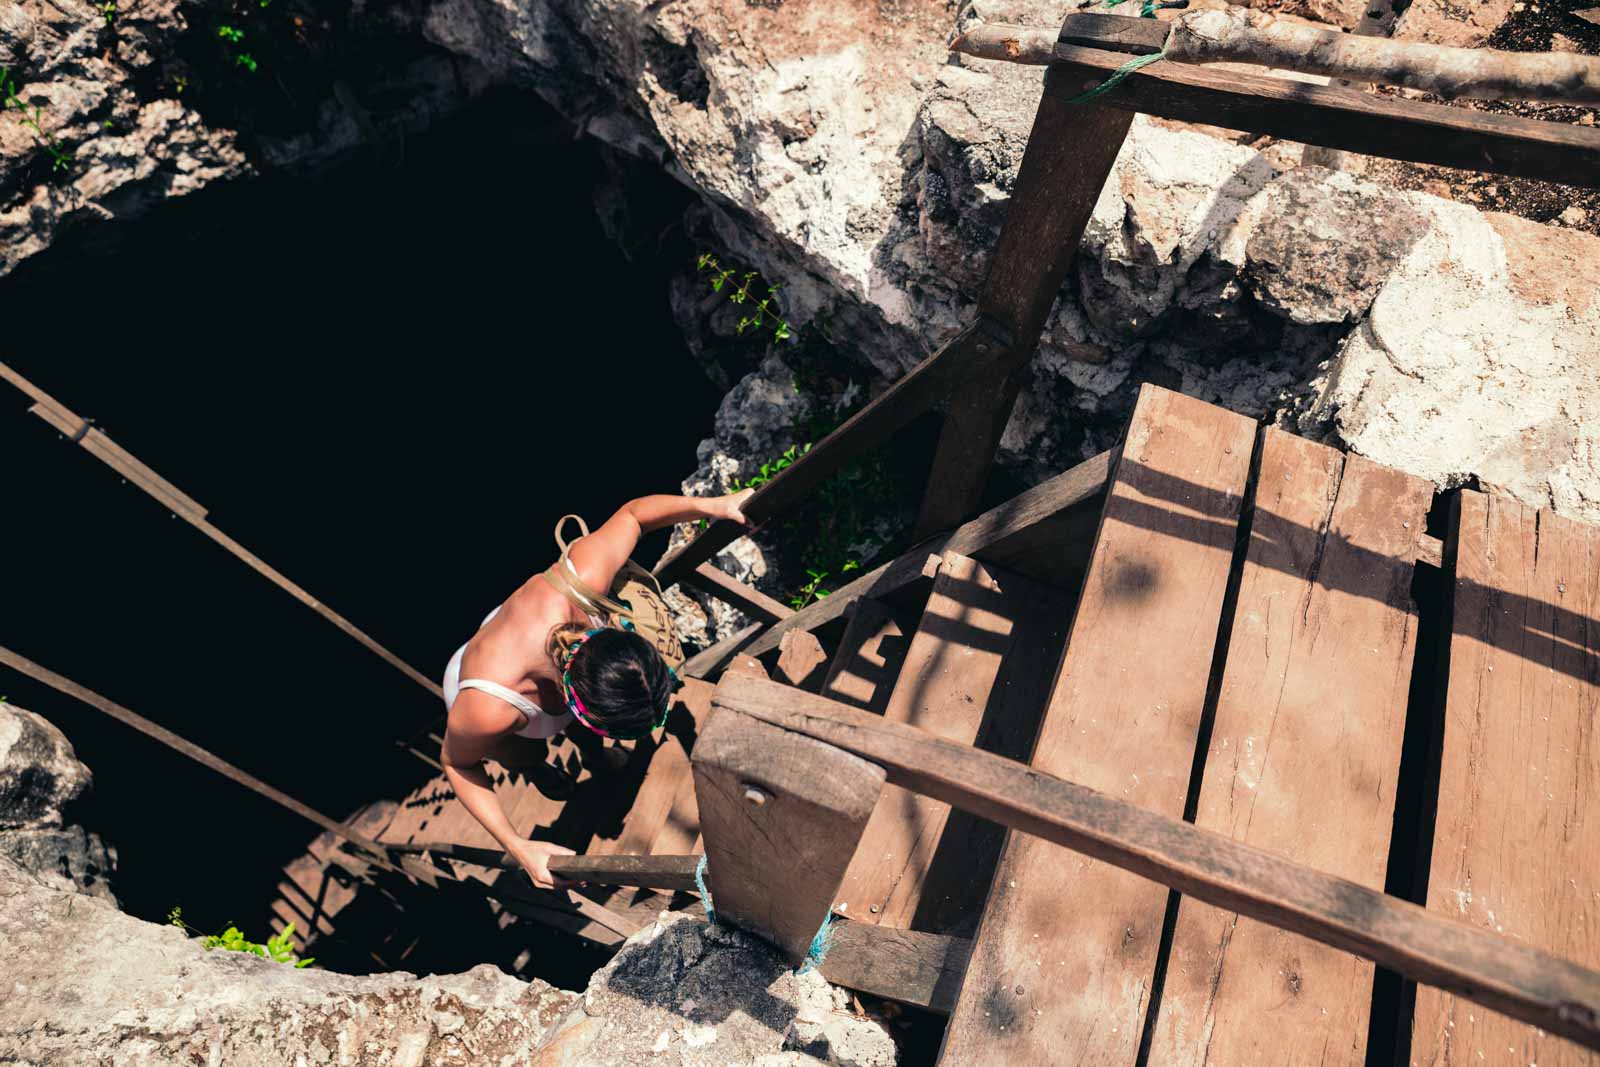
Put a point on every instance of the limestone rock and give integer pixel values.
(682, 993)
(1479, 358)
(39, 776)
(1325, 245)
(86, 984)
(1450, 23)
(39, 773)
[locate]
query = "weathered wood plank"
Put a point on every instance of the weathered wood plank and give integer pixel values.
(1338, 117)
(863, 671)
(801, 660)
(1517, 841)
(781, 815)
(966, 631)
(1304, 753)
(709, 579)
(709, 662)
(674, 873)
(959, 360)
(1069, 155)
(681, 830)
(1123, 718)
(985, 538)
(1512, 977)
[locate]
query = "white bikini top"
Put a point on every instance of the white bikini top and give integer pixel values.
(540, 724)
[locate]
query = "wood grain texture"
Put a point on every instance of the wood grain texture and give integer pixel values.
(863, 670)
(801, 660)
(944, 689)
(1338, 117)
(1304, 753)
(781, 815)
(1508, 976)
(1069, 155)
(709, 579)
(1517, 838)
(1123, 718)
(996, 536)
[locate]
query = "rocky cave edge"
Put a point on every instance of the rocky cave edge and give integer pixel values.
(833, 147)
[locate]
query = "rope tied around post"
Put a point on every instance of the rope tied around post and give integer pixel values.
(1122, 73)
(820, 944)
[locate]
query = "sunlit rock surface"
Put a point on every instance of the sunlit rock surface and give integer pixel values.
(39, 776)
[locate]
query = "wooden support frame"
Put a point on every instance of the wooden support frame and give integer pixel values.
(1006, 535)
(1507, 976)
(965, 356)
(747, 598)
(781, 815)
(673, 874)
(1070, 153)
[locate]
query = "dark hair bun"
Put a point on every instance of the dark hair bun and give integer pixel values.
(623, 682)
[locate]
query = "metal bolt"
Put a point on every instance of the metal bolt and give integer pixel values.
(874, 909)
(754, 795)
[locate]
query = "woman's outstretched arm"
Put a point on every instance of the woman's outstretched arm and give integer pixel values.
(599, 556)
(477, 721)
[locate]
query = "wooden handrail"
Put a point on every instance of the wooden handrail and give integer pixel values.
(672, 873)
(26, 666)
(1505, 975)
(964, 356)
(119, 459)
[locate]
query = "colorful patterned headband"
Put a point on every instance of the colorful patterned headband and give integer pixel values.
(581, 713)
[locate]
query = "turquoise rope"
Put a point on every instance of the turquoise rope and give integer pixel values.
(820, 944)
(1118, 76)
(1121, 74)
(705, 894)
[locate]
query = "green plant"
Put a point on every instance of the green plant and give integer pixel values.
(279, 947)
(108, 11)
(60, 158)
(231, 34)
(764, 311)
(813, 590)
(773, 468)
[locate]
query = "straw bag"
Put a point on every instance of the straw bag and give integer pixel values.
(635, 602)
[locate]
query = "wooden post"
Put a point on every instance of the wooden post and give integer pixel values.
(1069, 155)
(781, 815)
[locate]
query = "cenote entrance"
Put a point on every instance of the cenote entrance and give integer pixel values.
(387, 381)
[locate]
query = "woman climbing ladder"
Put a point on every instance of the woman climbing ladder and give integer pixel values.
(548, 646)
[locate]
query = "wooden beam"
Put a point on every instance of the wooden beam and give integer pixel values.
(1070, 153)
(781, 815)
(963, 358)
(107, 451)
(999, 535)
(725, 587)
(708, 663)
(1338, 117)
(1504, 975)
(26, 666)
(672, 873)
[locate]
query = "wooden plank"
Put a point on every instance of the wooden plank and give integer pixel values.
(1517, 843)
(1069, 155)
(1304, 754)
(947, 688)
(1338, 117)
(1509, 976)
(709, 579)
(710, 662)
(801, 660)
(863, 671)
(1123, 718)
(997, 527)
(963, 357)
(680, 832)
(781, 815)
(674, 873)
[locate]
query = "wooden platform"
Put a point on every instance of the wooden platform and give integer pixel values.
(1266, 640)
